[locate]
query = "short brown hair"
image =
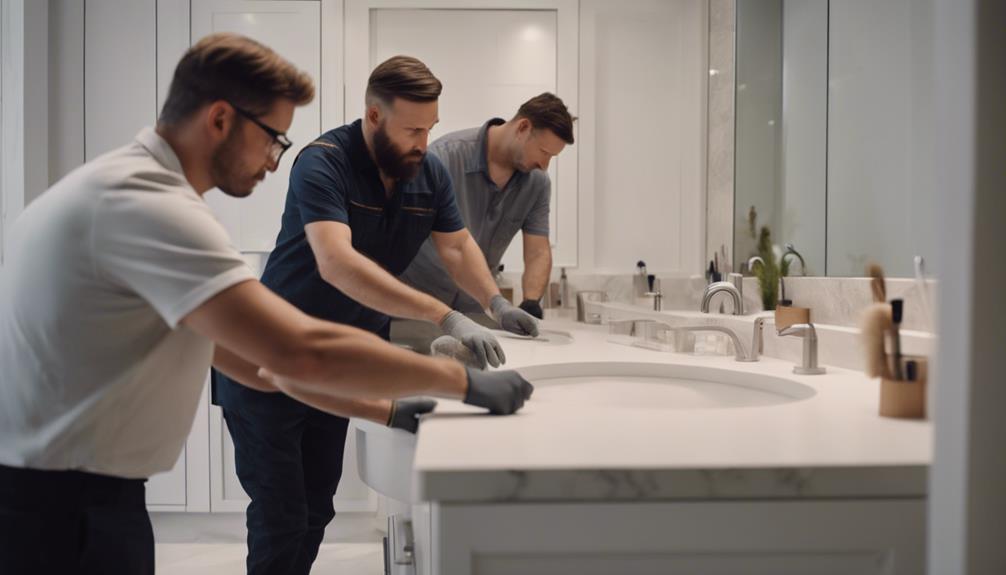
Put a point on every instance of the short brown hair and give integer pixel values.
(547, 111)
(402, 77)
(237, 69)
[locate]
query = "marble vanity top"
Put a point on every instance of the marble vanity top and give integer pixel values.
(830, 444)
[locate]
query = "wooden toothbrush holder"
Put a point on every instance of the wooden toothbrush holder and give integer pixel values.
(786, 316)
(903, 398)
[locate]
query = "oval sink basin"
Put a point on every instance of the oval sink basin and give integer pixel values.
(658, 386)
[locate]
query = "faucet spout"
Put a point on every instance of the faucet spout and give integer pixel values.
(717, 287)
(739, 353)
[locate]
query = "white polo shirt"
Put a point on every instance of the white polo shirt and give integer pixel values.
(96, 374)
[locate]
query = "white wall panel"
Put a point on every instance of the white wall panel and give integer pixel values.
(119, 72)
(66, 87)
(643, 80)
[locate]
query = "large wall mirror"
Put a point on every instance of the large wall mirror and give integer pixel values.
(833, 134)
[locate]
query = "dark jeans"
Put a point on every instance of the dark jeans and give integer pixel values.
(73, 522)
(289, 460)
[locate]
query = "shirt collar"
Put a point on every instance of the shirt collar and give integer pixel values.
(481, 163)
(160, 149)
(358, 153)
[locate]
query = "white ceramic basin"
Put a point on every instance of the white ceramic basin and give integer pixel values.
(658, 386)
(385, 456)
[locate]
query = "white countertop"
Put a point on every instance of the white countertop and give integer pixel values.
(831, 444)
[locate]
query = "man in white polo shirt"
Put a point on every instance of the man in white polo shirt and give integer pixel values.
(120, 289)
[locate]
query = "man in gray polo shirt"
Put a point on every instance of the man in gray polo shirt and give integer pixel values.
(501, 183)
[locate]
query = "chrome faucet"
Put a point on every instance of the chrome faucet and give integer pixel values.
(809, 334)
(717, 287)
(739, 353)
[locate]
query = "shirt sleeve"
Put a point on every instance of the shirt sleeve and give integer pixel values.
(167, 248)
(448, 217)
(536, 222)
(318, 184)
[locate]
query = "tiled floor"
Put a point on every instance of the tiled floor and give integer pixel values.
(205, 544)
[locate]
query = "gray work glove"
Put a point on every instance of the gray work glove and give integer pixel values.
(513, 319)
(475, 337)
(405, 413)
(501, 392)
(448, 346)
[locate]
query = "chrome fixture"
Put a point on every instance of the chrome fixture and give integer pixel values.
(739, 353)
(791, 251)
(717, 287)
(657, 299)
(809, 334)
(582, 299)
(653, 286)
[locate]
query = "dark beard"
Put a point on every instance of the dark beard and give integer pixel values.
(393, 163)
(225, 166)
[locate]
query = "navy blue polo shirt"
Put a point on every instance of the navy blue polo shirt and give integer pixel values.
(334, 179)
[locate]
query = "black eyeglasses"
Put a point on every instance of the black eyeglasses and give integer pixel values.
(280, 143)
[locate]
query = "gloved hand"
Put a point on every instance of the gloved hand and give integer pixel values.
(513, 319)
(501, 392)
(447, 346)
(532, 307)
(405, 413)
(475, 337)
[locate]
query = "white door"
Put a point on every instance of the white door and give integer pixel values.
(295, 30)
(491, 57)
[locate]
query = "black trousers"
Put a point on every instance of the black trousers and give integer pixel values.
(288, 458)
(73, 522)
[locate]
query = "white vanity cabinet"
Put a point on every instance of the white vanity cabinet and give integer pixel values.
(649, 481)
(861, 537)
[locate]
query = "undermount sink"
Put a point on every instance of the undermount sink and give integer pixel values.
(384, 456)
(658, 386)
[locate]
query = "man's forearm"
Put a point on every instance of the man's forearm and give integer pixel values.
(246, 374)
(363, 366)
(537, 270)
(368, 283)
(468, 268)
(240, 370)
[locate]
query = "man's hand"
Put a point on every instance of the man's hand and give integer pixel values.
(513, 319)
(532, 307)
(501, 392)
(405, 413)
(475, 337)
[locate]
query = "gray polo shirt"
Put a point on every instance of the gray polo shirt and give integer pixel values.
(493, 216)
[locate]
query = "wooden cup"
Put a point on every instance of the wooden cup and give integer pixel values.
(786, 316)
(905, 399)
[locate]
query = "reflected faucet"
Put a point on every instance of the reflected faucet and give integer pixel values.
(791, 251)
(739, 353)
(717, 287)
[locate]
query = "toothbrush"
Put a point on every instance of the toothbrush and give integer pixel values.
(897, 309)
(920, 285)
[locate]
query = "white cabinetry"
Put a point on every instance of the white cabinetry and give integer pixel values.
(869, 537)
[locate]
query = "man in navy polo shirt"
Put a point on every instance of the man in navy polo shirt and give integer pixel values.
(362, 200)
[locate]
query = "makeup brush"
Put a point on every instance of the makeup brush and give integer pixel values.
(877, 284)
(897, 309)
(875, 325)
